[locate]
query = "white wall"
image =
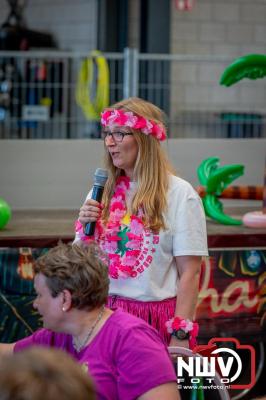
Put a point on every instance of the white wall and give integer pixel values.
(220, 27)
(41, 174)
(214, 28)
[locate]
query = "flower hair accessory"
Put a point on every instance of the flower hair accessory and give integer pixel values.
(190, 327)
(126, 118)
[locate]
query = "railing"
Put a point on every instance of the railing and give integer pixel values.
(37, 94)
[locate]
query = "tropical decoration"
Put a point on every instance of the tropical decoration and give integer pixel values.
(215, 179)
(240, 192)
(111, 118)
(123, 244)
(251, 66)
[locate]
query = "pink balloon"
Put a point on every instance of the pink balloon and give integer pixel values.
(255, 219)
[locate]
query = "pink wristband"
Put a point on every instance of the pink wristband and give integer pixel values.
(190, 327)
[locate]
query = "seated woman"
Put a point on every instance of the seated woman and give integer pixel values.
(124, 356)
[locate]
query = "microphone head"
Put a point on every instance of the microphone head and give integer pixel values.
(100, 176)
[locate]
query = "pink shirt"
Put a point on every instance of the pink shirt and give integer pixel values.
(126, 359)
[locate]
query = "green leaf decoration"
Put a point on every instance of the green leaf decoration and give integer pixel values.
(121, 244)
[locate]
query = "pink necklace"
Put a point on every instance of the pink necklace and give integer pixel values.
(121, 243)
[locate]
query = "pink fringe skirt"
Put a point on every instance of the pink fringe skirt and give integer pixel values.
(156, 313)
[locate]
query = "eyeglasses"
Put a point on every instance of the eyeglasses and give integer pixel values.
(116, 136)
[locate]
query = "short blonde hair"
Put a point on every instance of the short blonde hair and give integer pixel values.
(80, 269)
(151, 170)
(38, 373)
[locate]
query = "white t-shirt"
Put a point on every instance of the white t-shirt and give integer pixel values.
(185, 235)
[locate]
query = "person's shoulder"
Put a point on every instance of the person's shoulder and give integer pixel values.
(125, 321)
(131, 328)
(46, 336)
(40, 337)
(180, 187)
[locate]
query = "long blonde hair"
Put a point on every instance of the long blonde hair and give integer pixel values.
(151, 169)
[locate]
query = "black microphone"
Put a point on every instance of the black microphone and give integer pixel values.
(100, 177)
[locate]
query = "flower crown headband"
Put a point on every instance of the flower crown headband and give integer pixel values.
(127, 118)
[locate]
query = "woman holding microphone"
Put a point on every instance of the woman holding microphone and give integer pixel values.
(150, 222)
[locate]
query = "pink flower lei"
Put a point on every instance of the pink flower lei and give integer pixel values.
(122, 256)
(126, 118)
